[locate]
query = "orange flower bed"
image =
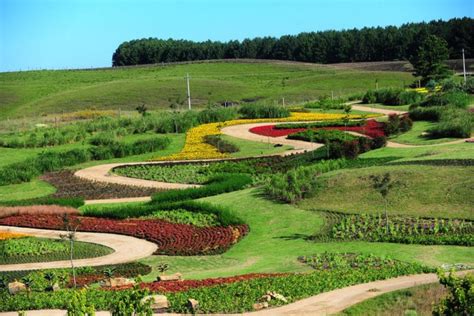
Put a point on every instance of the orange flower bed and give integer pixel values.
(4, 235)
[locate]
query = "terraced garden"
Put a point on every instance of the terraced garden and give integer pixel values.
(262, 205)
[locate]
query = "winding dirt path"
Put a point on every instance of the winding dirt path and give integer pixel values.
(126, 249)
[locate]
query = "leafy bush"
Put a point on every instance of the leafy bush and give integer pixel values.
(292, 286)
(398, 229)
(216, 185)
(469, 86)
(103, 139)
(222, 145)
(298, 183)
(217, 114)
(432, 113)
(254, 111)
(392, 97)
(397, 124)
(326, 104)
(457, 99)
(453, 123)
(460, 299)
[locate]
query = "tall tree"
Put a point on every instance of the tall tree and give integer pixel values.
(429, 59)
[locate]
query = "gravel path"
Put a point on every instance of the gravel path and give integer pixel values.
(126, 249)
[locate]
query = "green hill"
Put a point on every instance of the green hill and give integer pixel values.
(34, 93)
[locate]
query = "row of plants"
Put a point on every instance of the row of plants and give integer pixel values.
(334, 260)
(222, 145)
(69, 187)
(32, 249)
(163, 122)
(51, 160)
(6, 211)
(196, 147)
(43, 280)
(238, 296)
(298, 183)
(47, 200)
(391, 96)
(371, 128)
(222, 216)
(172, 239)
(397, 229)
(449, 109)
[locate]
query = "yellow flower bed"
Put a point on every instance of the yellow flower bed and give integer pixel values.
(4, 235)
(425, 90)
(195, 146)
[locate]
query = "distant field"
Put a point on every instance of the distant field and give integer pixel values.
(36, 93)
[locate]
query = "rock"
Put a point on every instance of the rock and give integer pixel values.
(266, 298)
(55, 287)
(172, 277)
(193, 304)
(277, 296)
(113, 282)
(16, 287)
(259, 306)
(159, 303)
(424, 134)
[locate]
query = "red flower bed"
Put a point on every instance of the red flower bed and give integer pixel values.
(172, 239)
(372, 129)
(184, 285)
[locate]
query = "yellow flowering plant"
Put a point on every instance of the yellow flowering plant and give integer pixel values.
(196, 148)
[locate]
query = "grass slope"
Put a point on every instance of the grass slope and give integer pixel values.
(277, 238)
(413, 136)
(429, 191)
(34, 93)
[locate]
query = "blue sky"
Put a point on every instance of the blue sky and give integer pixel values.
(39, 34)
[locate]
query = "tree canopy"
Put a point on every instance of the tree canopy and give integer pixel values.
(354, 45)
(428, 60)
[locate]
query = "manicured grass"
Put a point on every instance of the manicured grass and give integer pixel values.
(250, 149)
(413, 136)
(435, 152)
(429, 191)
(277, 237)
(32, 249)
(27, 190)
(417, 300)
(33, 93)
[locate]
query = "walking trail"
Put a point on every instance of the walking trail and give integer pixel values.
(126, 249)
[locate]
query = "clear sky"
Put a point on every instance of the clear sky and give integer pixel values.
(39, 34)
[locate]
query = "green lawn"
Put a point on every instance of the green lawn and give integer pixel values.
(429, 191)
(276, 239)
(33, 93)
(441, 151)
(386, 107)
(250, 148)
(413, 136)
(417, 300)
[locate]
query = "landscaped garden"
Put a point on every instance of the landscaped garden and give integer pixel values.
(377, 197)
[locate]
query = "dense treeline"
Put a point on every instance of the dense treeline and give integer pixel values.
(367, 44)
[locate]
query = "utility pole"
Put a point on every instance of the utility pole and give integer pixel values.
(464, 66)
(189, 91)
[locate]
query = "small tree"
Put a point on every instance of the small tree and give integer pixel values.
(142, 109)
(163, 267)
(428, 60)
(28, 281)
(51, 277)
(347, 110)
(383, 184)
(71, 226)
(109, 272)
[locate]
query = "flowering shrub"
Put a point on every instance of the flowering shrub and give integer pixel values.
(195, 146)
(172, 239)
(372, 128)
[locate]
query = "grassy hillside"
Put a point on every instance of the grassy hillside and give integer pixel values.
(35, 93)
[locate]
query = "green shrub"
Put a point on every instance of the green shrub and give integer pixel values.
(72, 202)
(326, 104)
(397, 124)
(369, 97)
(253, 111)
(469, 86)
(103, 139)
(216, 185)
(432, 113)
(454, 123)
(222, 145)
(457, 99)
(391, 96)
(460, 299)
(217, 114)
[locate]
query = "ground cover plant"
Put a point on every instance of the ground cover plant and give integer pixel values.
(238, 296)
(42, 279)
(69, 186)
(398, 229)
(371, 128)
(172, 239)
(392, 97)
(32, 249)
